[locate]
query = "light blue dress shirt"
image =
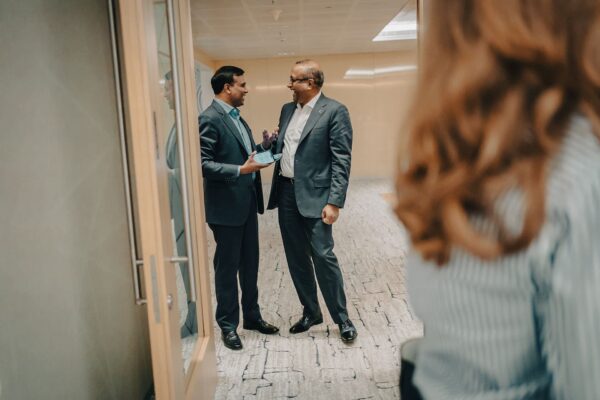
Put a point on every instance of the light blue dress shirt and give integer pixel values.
(524, 326)
(238, 123)
(241, 128)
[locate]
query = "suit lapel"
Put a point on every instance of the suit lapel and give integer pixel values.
(229, 124)
(252, 144)
(315, 114)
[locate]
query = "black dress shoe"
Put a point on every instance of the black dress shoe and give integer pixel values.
(348, 331)
(231, 340)
(305, 323)
(262, 326)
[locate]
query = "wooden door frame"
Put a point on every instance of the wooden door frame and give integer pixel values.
(169, 381)
(422, 10)
(202, 371)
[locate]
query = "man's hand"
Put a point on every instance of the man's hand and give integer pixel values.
(269, 138)
(330, 214)
(251, 166)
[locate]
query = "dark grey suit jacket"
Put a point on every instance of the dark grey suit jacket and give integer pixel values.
(226, 196)
(322, 162)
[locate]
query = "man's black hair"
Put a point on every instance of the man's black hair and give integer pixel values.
(224, 75)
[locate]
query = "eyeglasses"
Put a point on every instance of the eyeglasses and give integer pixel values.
(294, 80)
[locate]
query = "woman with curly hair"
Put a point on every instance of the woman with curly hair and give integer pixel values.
(499, 192)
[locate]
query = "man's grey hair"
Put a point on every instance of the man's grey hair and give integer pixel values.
(313, 71)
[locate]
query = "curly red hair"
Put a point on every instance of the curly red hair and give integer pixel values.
(499, 81)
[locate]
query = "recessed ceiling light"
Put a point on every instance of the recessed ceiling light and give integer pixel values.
(355, 73)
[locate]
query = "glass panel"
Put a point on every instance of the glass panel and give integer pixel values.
(169, 153)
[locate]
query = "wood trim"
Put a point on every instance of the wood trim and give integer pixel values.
(168, 378)
(141, 98)
(421, 26)
(201, 380)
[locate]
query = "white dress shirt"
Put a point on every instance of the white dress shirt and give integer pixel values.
(292, 135)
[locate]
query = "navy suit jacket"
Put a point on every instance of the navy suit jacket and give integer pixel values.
(227, 196)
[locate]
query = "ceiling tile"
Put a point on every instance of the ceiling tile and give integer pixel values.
(227, 29)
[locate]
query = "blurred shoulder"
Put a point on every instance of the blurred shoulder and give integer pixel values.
(575, 172)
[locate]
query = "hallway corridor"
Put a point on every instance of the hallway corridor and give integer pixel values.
(314, 365)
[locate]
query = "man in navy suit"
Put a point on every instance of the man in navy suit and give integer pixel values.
(309, 188)
(232, 198)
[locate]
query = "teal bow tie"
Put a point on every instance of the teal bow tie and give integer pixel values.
(235, 113)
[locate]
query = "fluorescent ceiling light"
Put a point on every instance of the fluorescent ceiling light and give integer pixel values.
(355, 73)
(402, 27)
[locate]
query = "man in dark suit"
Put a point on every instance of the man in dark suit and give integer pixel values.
(232, 198)
(309, 188)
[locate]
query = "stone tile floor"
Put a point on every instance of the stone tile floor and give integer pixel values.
(370, 246)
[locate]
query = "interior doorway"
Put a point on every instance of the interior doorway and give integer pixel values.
(368, 53)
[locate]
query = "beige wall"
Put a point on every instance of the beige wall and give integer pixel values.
(204, 58)
(377, 105)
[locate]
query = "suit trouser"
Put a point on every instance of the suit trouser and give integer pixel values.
(236, 253)
(309, 241)
(190, 326)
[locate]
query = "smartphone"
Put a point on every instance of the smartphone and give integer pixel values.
(266, 157)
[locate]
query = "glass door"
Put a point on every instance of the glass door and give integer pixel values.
(162, 141)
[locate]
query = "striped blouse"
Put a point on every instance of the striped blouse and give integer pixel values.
(524, 326)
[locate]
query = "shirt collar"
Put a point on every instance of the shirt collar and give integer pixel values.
(312, 102)
(226, 107)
